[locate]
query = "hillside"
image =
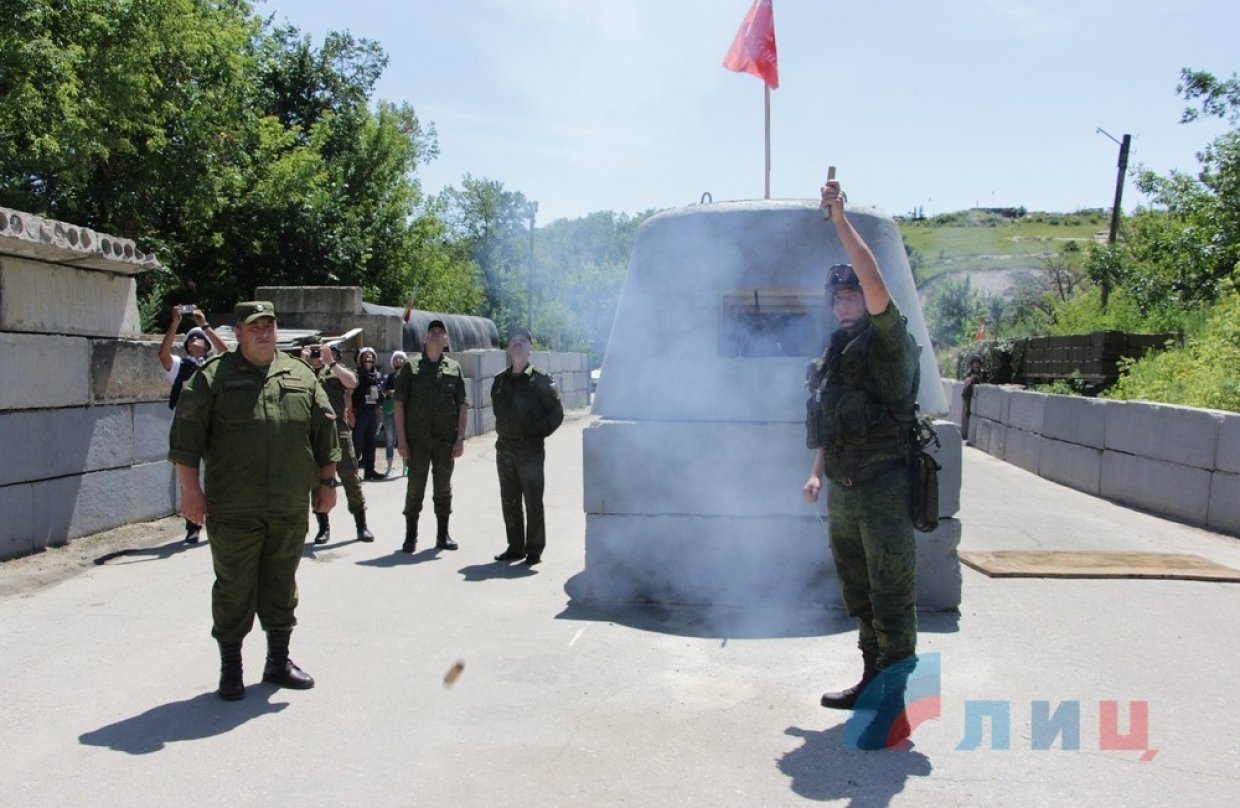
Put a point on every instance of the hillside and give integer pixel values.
(994, 250)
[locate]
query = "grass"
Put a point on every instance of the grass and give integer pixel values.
(978, 240)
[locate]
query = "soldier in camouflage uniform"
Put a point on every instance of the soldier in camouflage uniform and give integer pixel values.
(339, 383)
(862, 405)
(527, 410)
(432, 416)
(262, 423)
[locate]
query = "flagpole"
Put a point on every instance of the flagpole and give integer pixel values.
(766, 91)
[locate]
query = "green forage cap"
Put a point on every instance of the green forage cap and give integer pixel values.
(251, 310)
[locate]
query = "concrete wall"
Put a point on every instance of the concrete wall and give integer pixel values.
(83, 414)
(1179, 462)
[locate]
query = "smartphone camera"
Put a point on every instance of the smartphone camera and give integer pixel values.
(316, 352)
(188, 308)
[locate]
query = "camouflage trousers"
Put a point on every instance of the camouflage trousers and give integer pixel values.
(876, 561)
(521, 485)
(430, 457)
(346, 469)
(255, 559)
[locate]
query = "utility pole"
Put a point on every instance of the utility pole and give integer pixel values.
(1119, 195)
(529, 305)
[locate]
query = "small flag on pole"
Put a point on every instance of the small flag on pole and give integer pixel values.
(753, 50)
(981, 332)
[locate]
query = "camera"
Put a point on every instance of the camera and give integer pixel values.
(316, 352)
(188, 308)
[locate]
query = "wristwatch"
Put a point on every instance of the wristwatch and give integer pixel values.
(330, 482)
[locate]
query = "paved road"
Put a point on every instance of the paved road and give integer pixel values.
(108, 677)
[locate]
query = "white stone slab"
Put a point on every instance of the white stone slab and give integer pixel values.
(1073, 465)
(43, 371)
(1182, 435)
(1181, 492)
(1224, 511)
(39, 444)
(42, 298)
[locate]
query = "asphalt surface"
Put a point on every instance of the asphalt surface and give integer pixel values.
(108, 677)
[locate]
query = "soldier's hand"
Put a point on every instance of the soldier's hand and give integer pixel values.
(458, 448)
(403, 449)
(193, 505)
(324, 499)
(810, 491)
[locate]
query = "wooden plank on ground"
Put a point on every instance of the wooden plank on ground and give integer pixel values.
(1090, 564)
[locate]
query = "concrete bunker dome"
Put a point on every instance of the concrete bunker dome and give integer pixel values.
(692, 475)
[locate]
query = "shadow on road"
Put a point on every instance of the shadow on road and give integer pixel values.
(132, 554)
(399, 558)
(823, 769)
(496, 569)
(202, 716)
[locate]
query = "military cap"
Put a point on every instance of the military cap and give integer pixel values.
(251, 310)
(437, 324)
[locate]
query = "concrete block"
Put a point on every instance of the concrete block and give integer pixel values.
(151, 424)
(1224, 512)
(1227, 453)
(994, 440)
(938, 567)
(1023, 449)
(484, 420)
(39, 444)
(990, 401)
(70, 507)
(1070, 464)
(955, 401)
(17, 525)
(948, 456)
(294, 300)
(1076, 420)
(745, 469)
(481, 364)
(1025, 410)
(1170, 489)
(53, 371)
(1181, 435)
(704, 560)
(50, 299)
(126, 371)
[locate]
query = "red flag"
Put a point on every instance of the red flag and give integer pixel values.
(753, 50)
(981, 332)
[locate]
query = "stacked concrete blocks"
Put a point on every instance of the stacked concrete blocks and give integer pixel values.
(1180, 462)
(83, 418)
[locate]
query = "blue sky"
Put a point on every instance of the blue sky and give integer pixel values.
(587, 105)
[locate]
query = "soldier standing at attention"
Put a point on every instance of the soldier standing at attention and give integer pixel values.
(527, 410)
(339, 383)
(432, 415)
(866, 401)
(262, 423)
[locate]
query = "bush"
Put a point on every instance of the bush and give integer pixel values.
(1204, 373)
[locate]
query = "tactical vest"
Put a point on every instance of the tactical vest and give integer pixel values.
(862, 434)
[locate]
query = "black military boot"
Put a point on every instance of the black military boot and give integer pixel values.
(411, 534)
(280, 669)
(325, 531)
(846, 699)
(232, 686)
(193, 532)
(442, 540)
(359, 518)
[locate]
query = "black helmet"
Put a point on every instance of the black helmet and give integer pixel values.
(841, 276)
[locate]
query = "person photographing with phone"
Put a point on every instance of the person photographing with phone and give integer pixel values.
(200, 342)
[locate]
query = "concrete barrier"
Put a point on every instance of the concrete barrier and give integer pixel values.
(1180, 462)
(44, 371)
(47, 298)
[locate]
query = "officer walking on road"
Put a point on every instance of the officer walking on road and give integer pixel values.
(864, 397)
(339, 383)
(432, 416)
(527, 410)
(263, 424)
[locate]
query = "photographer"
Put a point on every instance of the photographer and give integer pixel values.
(200, 342)
(367, 401)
